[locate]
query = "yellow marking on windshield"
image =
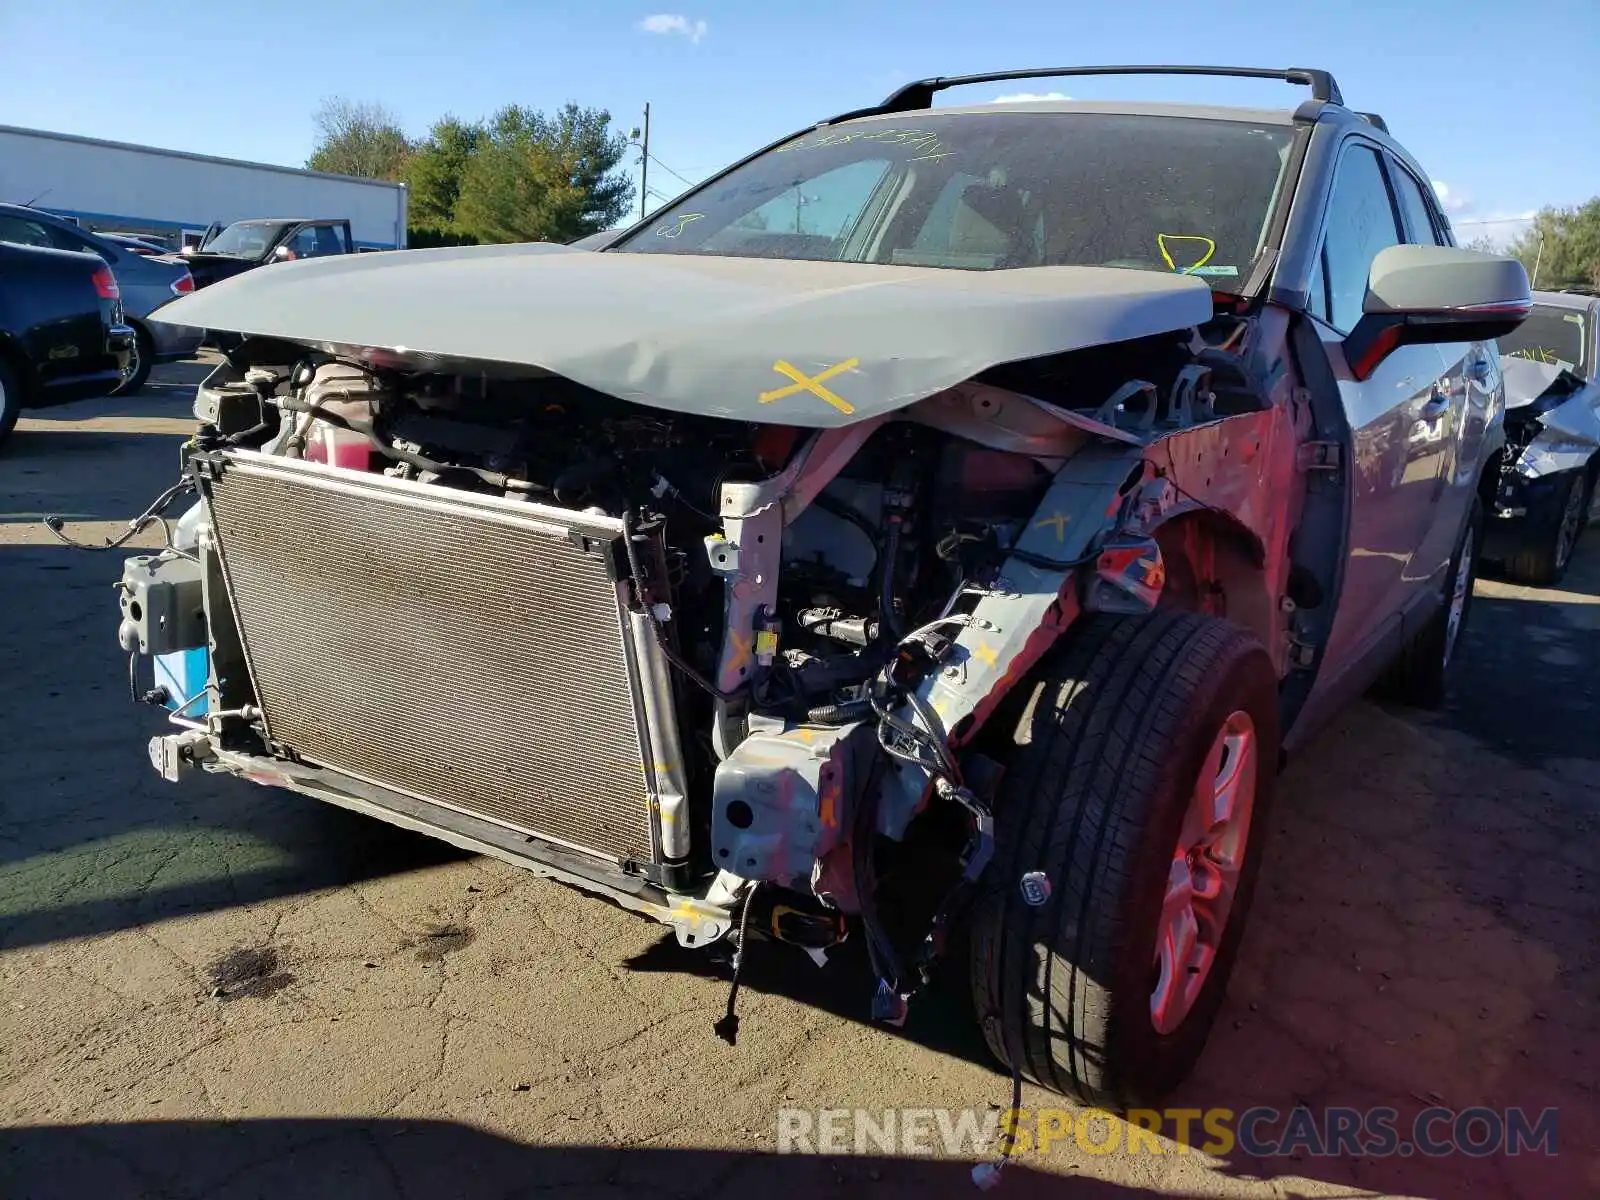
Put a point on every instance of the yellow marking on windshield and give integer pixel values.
(1166, 255)
(811, 383)
(681, 222)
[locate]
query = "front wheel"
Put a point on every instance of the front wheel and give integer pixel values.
(10, 400)
(1548, 543)
(1129, 828)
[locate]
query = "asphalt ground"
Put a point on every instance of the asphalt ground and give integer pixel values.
(214, 989)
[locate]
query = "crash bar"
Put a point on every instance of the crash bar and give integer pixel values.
(920, 94)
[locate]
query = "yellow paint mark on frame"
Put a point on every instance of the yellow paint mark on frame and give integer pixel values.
(741, 650)
(811, 383)
(1060, 520)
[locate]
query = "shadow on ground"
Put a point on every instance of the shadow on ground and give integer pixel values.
(427, 1160)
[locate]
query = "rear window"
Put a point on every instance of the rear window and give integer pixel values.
(987, 191)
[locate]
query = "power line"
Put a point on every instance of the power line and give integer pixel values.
(688, 182)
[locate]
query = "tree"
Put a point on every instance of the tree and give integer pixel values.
(437, 167)
(1564, 243)
(538, 178)
(358, 139)
(521, 176)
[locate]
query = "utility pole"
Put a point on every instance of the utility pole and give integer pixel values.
(644, 163)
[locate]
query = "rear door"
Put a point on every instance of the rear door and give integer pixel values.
(1470, 394)
(1394, 418)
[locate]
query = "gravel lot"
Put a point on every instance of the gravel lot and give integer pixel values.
(217, 989)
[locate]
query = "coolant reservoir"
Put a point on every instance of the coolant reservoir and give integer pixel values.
(338, 447)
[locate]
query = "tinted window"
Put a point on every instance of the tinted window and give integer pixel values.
(1360, 222)
(1418, 216)
(988, 190)
(24, 232)
(303, 244)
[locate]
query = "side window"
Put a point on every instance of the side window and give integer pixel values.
(1420, 228)
(65, 239)
(24, 232)
(957, 227)
(819, 213)
(307, 244)
(330, 240)
(1361, 221)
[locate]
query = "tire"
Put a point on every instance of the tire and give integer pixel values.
(1125, 720)
(144, 351)
(10, 400)
(1549, 543)
(1419, 676)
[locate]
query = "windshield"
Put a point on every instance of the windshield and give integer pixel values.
(985, 191)
(1550, 335)
(245, 239)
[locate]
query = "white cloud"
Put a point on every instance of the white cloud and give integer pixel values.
(1453, 201)
(675, 25)
(1025, 97)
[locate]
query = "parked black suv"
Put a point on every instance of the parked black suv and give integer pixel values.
(62, 336)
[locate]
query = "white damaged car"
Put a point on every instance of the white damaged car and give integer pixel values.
(1552, 460)
(942, 521)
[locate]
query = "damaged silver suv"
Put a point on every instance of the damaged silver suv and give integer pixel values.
(935, 530)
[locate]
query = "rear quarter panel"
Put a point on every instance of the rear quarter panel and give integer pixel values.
(50, 314)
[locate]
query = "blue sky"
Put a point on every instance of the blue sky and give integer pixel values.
(1501, 103)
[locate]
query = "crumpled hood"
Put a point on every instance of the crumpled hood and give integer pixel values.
(790, 342)
(1526, 379)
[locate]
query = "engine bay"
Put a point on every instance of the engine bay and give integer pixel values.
(815, 624)
(923, 506)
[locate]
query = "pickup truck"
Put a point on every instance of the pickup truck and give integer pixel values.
(62, 335)
(245, 245)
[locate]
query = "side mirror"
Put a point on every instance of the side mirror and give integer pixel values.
(1422, 294)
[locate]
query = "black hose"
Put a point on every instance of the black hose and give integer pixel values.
(839, 714)
(848, 513)
(891, 556)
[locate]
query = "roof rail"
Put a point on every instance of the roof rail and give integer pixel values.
(1375, 120)
(921, 93)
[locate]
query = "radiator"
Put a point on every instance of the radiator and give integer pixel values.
(469, 651)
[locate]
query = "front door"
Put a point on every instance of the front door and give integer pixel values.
(1398, 418)
(1469, 399)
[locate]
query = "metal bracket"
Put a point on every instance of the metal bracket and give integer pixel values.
(1319, 456)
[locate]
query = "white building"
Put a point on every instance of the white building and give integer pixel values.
(114, 186)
